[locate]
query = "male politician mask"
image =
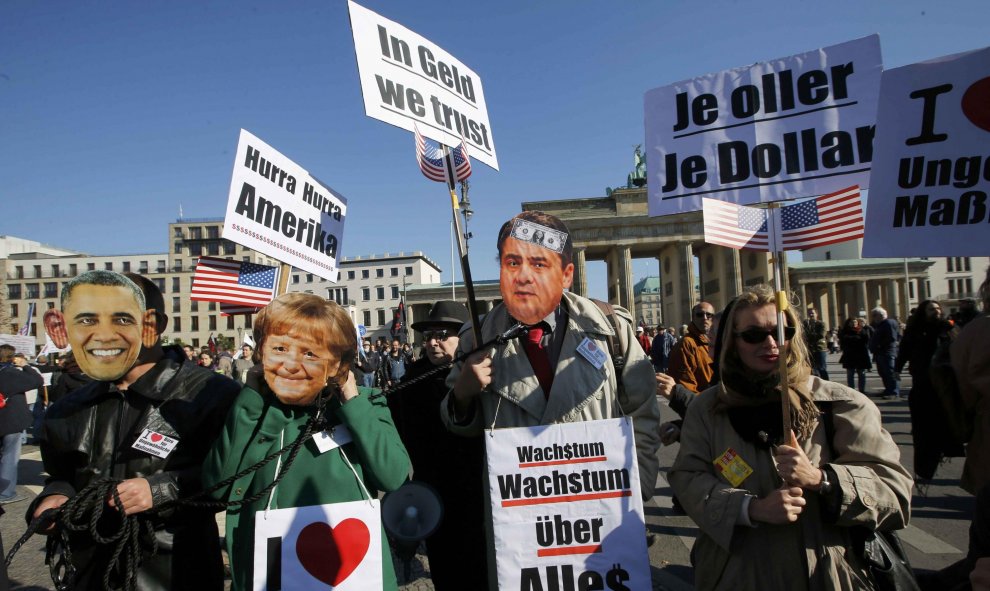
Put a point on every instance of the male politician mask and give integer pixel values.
(107, 324)
(531, 276)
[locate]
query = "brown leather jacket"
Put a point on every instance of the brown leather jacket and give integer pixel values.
(691, 360)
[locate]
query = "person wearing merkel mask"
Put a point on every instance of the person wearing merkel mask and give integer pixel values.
(776, 510)
(145, 419)
(307, 345)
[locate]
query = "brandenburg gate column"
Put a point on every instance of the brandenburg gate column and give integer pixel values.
(626, 281)
(804, 299)
(686, 265)
(864, 298)
(833, 306)
(736, 279)
(580, 285)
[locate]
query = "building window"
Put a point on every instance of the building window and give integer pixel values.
(911, 290)
(160, 283)
(196, 249)
(177, 266)
(127, 266)
(230, 323)
(309, 277)
(212, 306)
(195, 233)
(13, 311)
(51, 290)
(143, 267)
(380, 293)
(51, 305)
(73, 270)
(32, 291)
(194, 306)
(395, 292)
(367, 318)
(195, 343)
(408, 271)
(365, 294)
(176, 305)
(247, 321)
(161, 267)
(213, 248)
(350, 274)
(55, 271)
(379, 272)
(365, 273)
(295, 279)
(394, 272)
(381, 318)
(90, 266)
(14, 291)
(195, 323)
(966, 266)
(213, 232)
(178, 248)
(213, 322)
(176, 285)
(229, 247)
(19, 272)
(177, 323)
(108, 266)
(969, 284)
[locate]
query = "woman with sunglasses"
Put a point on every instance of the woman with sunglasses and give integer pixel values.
(778, 511)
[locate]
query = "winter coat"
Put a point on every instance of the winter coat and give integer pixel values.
(812, 553)
(691, 360)
(971, 361)
(259, 424)
(580, 391)
(82, 442)
(855, 349)
(15, 416)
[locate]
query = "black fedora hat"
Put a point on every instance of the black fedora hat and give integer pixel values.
(443, 314)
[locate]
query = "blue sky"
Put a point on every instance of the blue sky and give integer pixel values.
(112, 114)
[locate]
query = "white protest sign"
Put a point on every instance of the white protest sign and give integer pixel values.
(334, 546)
(928, 196)
(799, 126)
(21, 344)
(566, 509)
(278, 209)
(406, 80)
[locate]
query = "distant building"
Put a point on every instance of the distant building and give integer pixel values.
(647, 296)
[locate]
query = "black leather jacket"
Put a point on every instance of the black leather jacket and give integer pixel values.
(89, 435)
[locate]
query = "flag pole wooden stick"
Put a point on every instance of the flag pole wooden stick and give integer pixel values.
(782, 305)
(462, 251)
(283, 278)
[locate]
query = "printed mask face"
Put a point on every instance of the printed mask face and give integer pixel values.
(297, 366)
(106, 327)
(55, 327)
(531, 279)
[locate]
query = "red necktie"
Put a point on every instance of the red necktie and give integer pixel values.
(538, 358)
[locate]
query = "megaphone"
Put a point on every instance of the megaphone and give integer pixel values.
(410, 514)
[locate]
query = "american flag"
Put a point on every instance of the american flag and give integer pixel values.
(462, 162)
(828, 219)
(26, 329)
(735, 226)
(234, 282)
(430, 159)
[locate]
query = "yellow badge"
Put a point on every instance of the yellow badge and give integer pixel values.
(732, 467)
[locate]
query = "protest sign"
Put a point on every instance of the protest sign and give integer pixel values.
(794, 127)
(21, 344)
(928, 196)
(566, 509)
(280, 210)
(406, 79)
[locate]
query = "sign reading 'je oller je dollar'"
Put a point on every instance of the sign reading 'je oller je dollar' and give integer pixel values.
(408, 80)
(800, 126)
(278, 209)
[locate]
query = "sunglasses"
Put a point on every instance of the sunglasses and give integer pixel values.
(440, 335)
(704, 315)
(755, 336)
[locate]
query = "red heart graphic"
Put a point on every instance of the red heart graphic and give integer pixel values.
(332, 554)
(156, 437)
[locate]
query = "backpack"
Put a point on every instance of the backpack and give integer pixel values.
(946, 386)
(616, 353)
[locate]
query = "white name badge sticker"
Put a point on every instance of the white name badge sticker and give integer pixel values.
(155, 443)
(592, 352)
(332, 439)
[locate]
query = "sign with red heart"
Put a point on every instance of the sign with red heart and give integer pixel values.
(335, 546)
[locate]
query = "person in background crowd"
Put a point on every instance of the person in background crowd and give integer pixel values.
(967, 312)
(243, 364)
(930, 433)
(660, 349)
(451, 464)
(883, 345)
(971, 361)
(804, 491)
(683, 333)
(855, 340)
(369, 363)
(691, 358)
(70, 378)
(306, 346)
(644, 341)
(814, 338)
(91, 434)
(410, 355)
(395, 364)
(225, 364)
(833, 340)
(15, 417)
(190, 353)
(206, 361)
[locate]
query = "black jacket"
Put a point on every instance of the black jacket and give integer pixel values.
(89, 435)
(15, 416)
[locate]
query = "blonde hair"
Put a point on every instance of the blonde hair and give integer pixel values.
(757, 296)
(324, 320)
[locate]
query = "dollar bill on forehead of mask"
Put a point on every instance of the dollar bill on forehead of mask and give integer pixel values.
(539, 235)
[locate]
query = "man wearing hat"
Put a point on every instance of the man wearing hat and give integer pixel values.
(449, 463)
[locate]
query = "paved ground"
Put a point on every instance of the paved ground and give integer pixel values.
(937, 536)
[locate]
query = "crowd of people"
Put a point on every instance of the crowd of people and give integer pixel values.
(774, 458)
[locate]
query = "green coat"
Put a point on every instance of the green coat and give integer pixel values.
(252, 431)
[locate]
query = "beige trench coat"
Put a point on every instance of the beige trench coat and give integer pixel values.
(807, 554)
